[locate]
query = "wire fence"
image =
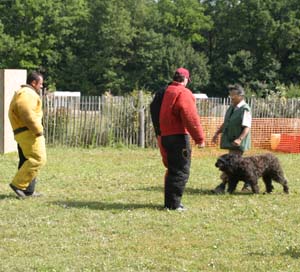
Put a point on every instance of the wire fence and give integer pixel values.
(91, 121)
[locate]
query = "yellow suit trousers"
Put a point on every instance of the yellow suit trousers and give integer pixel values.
(34, 150)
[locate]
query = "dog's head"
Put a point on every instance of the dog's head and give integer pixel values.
(228, 162)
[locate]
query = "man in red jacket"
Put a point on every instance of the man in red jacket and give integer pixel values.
(178, 118)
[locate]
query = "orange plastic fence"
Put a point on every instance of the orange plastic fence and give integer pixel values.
(288, 130)
(289, 143)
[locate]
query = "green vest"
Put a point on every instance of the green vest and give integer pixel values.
(232, 129)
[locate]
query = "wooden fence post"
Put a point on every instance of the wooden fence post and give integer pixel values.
(10, 81)
(141, 120)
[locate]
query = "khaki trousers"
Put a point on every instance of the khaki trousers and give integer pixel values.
(34, 150)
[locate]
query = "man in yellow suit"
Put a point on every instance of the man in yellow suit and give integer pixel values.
(25, 115)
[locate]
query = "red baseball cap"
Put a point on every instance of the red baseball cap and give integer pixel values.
(184, 72)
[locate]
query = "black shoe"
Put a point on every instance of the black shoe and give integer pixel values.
(20, 193)
(31, 187)
(220, 189)
(180, 208)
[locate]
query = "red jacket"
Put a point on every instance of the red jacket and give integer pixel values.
(178, 113)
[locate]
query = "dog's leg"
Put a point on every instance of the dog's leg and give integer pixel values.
(254, 186)
(285, 187)
(220, 189)
(224, 177)
(268, 183)
(283, 181)
(232, 183)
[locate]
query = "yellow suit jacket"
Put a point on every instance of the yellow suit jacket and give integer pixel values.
(26, 110)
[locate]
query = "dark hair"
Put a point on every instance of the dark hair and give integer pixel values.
(33, 76)
(178, 77)
(237, 88)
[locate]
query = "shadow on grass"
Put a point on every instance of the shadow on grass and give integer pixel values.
(194, 191)
(291, 252)
(95, 205)
(186, 191)
(2, 197)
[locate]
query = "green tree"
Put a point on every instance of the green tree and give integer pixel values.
(269, 30)
(6, 46)
(156, 53)
(184, 19)
(287, 38)
(165, 55)
(107, 43)
(41, 32)
(242, 26)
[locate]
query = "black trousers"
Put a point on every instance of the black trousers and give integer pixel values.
(30, 189)
(179, 162)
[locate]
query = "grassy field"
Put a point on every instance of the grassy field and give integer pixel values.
(102, 211)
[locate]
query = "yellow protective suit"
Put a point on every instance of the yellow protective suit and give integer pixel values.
(25, 112)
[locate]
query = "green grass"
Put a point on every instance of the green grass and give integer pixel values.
(102, 211)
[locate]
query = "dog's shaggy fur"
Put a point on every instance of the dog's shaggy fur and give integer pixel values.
(249, 169)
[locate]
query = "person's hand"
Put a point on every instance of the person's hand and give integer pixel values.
(215, 138)
(237, 142)
(202, 145)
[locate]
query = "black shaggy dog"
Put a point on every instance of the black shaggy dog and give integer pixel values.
(250, 169)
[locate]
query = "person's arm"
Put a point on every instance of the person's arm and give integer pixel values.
(27, 104)
(242, 136)
(215, 137)
(246, 124)
(190, 117)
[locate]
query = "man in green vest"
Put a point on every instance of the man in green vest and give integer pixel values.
(235, 130)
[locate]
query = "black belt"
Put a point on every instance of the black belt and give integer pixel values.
(19, 130)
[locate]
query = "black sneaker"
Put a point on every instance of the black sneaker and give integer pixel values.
(181, 208)
(20, 193)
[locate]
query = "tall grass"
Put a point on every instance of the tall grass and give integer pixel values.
(102, 211)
